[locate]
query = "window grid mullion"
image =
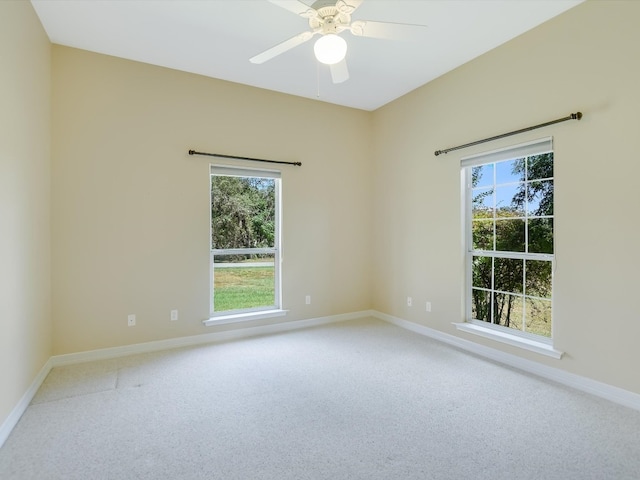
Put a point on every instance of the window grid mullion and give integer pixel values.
(524, 294)
(243, 251)
(526, 209)
(493, 289)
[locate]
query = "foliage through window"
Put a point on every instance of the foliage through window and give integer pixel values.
(509, 227)
(245, 249)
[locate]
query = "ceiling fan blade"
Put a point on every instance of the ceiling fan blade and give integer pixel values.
(296, 7)
(281, 47)
(387, 30)
(347, 6)
(339, 71)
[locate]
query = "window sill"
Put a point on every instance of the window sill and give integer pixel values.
(513, 340)
(243, 317)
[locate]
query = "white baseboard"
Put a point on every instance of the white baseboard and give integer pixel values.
(12, 420)
(599, 389)
(115, 352)
(584, 384)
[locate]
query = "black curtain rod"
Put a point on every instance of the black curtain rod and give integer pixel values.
(193, 152)
(573, 116)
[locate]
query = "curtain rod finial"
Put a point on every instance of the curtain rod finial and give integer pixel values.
(576, 116)
(437, 152)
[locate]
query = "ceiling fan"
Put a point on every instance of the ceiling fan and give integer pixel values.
(329, 18)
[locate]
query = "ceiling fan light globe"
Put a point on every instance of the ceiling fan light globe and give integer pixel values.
(330, 49)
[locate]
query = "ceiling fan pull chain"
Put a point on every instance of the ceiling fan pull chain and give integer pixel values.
(318, 79)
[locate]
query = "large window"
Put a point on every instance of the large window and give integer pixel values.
(245, 240)
(509, 235)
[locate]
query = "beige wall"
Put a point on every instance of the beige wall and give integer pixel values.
(25, 326)
(585, 59)
(130, 209)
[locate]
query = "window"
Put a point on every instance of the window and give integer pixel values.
(245, 241)
(509, 237)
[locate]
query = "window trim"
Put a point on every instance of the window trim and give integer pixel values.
(243, 315)
(534, 147)
(519, 338)
(494, 332)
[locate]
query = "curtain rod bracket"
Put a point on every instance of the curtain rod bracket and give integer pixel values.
(573, 116)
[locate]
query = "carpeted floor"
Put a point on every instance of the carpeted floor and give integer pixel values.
(354, 400)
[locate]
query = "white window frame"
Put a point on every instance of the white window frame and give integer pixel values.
(241, 315)
(523, 339)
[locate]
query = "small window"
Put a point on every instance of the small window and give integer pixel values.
(245, 240)
(509, 232)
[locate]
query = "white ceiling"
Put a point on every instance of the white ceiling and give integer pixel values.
(216, 38)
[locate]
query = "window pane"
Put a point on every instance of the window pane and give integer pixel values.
(538, 278)
(541, 235)
(540, 198)
(540, 166)
(508, 311)
(481, 305)
(538, 316)
(508, 202)
(482, 176)
(482, 233)
(510, 171)
(242, 212)
(482, 202)
(482, 271)
(243, 281)
(508, 275)
(510, 235)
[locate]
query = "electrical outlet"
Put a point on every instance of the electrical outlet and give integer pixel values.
(409, 301)
(131, 320)
(174, 315)
(428, 306)
(307, 299)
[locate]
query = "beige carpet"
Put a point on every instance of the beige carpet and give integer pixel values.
(356, 400)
